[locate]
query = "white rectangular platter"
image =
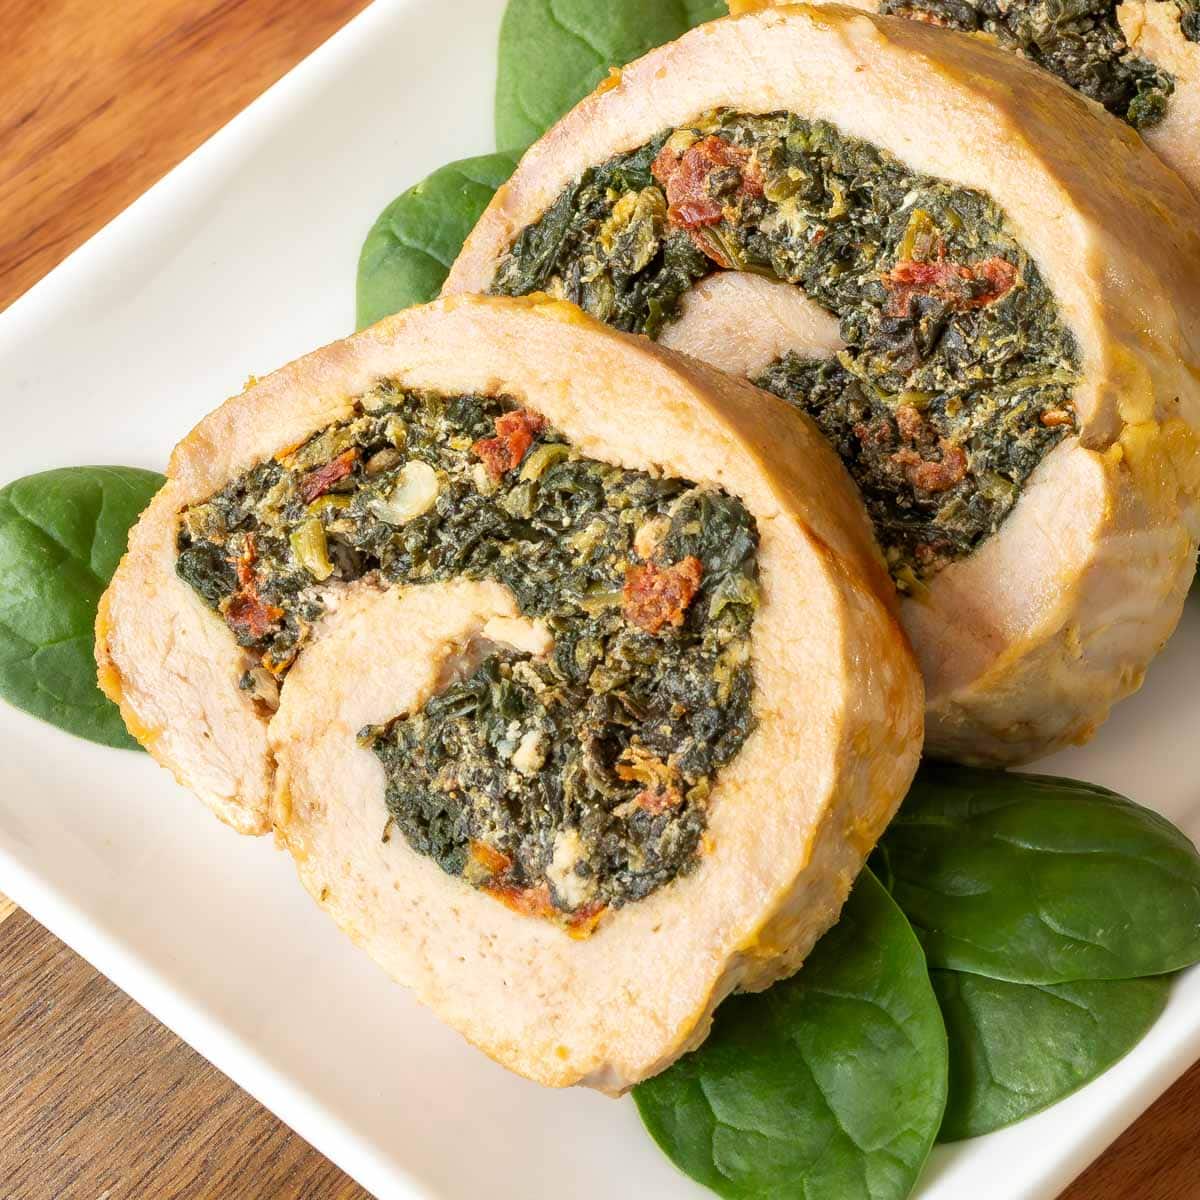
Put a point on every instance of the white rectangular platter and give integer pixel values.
(239, 260)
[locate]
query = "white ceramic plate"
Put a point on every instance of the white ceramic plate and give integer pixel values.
(239, 260)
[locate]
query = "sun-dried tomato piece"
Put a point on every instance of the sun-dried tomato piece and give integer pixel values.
(928, 475)
(910, 423)
(528, 901)
(958, 286)
(319, 480)
(877, 431)
(919, 443)
(1055, 417)
(495, 863)
(655, 596)
(1000, 276)
(583, 921)
(536, 902)
(696, 180)
(250, 617)
(244, 563)
(658, 800)
(515, 432)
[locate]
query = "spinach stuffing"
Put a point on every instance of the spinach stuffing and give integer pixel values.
(564, 784)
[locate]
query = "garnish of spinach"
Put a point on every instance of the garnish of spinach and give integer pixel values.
(1017, 1048)
(62, 534)
(1040, 880)
(832, 1083)
(407, 254)
(554, 52)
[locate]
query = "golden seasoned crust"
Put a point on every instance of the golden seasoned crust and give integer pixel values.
(173, 669)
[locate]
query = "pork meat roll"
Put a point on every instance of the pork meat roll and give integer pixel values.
(893, 227)
(564, 666)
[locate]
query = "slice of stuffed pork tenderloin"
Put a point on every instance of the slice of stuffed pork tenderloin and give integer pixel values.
(894, 227)
(589, 694)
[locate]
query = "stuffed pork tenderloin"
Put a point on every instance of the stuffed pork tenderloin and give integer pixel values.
(892, 227)
(1140, 60)
(575, 722)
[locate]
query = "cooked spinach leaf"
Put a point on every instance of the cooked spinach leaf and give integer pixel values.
(408, 252)
(1041, 880)
(62, 534)
(1017, 1048)
(553, 52)
(606, 245)
(832, 1084)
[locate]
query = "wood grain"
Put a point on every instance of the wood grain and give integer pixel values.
(1158, 1158)
(96, 1098)
(97, 101)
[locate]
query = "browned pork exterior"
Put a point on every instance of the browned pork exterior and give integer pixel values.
(1140, 59)
(984, 289)
(564, 667)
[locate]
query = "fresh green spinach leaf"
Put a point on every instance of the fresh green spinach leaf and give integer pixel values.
(407, 254)
(62, 534)
(1017, 1048)
(554, 52)
(1041, 880)
(830, 1084)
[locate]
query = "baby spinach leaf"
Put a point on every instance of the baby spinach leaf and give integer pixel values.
(832, 1083)
(1041, 880)
(554, 52)
(62, 534)
(407, 254)
(1016, 1048)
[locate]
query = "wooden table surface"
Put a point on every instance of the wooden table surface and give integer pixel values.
(97, 1100)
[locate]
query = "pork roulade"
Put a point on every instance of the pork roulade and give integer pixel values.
(894, 228)
(564, 666)
(1140, 59)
